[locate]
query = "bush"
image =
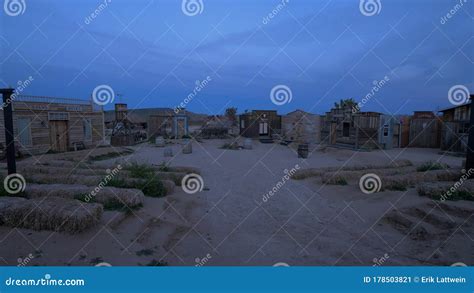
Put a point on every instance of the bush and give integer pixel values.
(430, 166)
(140, 170)
(150, 186)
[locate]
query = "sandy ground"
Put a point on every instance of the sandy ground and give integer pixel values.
(304, 223)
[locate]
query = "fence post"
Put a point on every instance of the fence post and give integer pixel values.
(8, 123)
(470, 144)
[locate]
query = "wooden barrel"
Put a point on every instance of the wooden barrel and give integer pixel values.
(248, 144)
(160, 141)
(303, 151)
(168, 152)
(188, 147)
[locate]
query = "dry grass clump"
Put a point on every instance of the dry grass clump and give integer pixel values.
(53, 213)
(331, 177)
(109, 197)
(315, 172)
(60, 171)
(448, 190)
(430, 166)
(63, 179)
(401, 182)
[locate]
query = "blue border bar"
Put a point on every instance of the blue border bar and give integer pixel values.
(238, 279)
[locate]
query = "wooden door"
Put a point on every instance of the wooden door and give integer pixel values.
(263, 128)
(59, 135)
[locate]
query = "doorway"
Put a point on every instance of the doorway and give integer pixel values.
(263, 129)
(58, 133)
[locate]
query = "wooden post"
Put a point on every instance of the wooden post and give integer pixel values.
(470, 144)
(8, 123)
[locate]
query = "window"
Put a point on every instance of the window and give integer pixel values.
(24, 131)
(87, 126)
(385, 130)
(58, 116)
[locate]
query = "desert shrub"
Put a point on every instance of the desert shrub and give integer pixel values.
(430, 166)
(150, 185)
(397, 186)
(163, 167)
(230, 146)
(140, 170)
(157, 263)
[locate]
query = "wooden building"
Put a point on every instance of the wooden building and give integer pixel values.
(345, 127)
(260, 123)
(301, 127)
(424, 130)
(43, 124)
(169, 124)
(455, 128)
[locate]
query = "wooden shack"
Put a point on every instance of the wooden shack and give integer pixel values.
(455, 128)
(424, 130)
(43, 124)
(301, 127)
(260, 123)
(169, 124)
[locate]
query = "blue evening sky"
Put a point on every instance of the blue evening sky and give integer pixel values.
(152, 54)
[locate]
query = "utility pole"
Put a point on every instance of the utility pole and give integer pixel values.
(470, 144)
(8, 123)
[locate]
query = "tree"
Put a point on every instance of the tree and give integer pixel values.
(350, 103)
(231, 114)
